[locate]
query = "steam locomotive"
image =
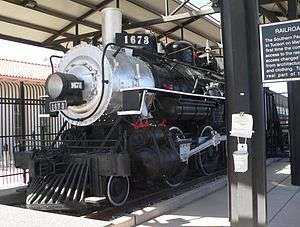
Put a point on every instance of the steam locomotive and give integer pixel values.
(135, 115)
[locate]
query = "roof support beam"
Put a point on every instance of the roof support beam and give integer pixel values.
(269, 14)
(174, 29)
(148, 24)
(262, 2)
(133, 24)
(86, 4)
(282, 9)
(179, 7)
(30, 42)
(80, 19)
(159, 13)
(128, 26)
(172, 18)
(54, 13)
(33, 26)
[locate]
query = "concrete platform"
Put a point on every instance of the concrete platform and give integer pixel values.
(283, 205)
(210, 210)
(19, 217)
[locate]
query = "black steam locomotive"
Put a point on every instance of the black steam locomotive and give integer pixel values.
(134, 115)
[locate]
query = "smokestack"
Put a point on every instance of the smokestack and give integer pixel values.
(111, 19)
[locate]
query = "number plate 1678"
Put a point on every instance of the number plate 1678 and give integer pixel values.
(133, 39)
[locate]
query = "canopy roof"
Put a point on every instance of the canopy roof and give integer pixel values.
(54, 23)
(57, 23)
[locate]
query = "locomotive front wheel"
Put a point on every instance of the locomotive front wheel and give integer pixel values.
(208, 160)
(118, 190)
(178, 177)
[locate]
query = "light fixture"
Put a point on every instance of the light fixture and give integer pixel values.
(30, 3)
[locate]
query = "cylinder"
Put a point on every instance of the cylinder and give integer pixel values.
(111, 19)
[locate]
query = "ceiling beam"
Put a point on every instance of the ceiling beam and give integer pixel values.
(134, 22)
(179, 7)
(33, 26)
(144, 24)
(173, 18)
(30, 42)
(282, 9)
(86, 4)
(81, 18)
(269, 14)
(125, 27)
(160, 13)
(262, 2)
(176, 28)
(51, 12)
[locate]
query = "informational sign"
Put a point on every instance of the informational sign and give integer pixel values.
(280, 51)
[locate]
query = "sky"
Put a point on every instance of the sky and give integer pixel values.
(200, 3)
(23, 52)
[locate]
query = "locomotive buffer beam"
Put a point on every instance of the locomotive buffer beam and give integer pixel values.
(204, 143)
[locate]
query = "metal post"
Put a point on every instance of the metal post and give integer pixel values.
(167, 7)
(22, 124)
(22, 117)
(294, 112)
(244, 93)
(76, 41)
(292, 9)
(181, 33)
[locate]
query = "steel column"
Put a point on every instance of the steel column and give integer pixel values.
(166, 7)
(244, 93)
(76, 40)
(22, 117)
(294, 113)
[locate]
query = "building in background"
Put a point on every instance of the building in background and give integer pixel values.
(16, 70)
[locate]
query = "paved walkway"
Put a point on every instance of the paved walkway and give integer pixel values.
(283, 205)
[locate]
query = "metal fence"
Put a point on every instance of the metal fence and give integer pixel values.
(22, 124)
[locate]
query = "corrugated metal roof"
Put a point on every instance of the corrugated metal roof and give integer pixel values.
(23, 70)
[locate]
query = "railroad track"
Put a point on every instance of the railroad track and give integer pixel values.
(141, 200)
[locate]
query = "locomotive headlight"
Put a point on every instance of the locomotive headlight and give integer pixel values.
(63, 86)
(54, 86)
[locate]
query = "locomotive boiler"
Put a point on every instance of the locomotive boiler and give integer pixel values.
(131, 114)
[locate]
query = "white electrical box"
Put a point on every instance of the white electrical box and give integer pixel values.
(240, 158)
